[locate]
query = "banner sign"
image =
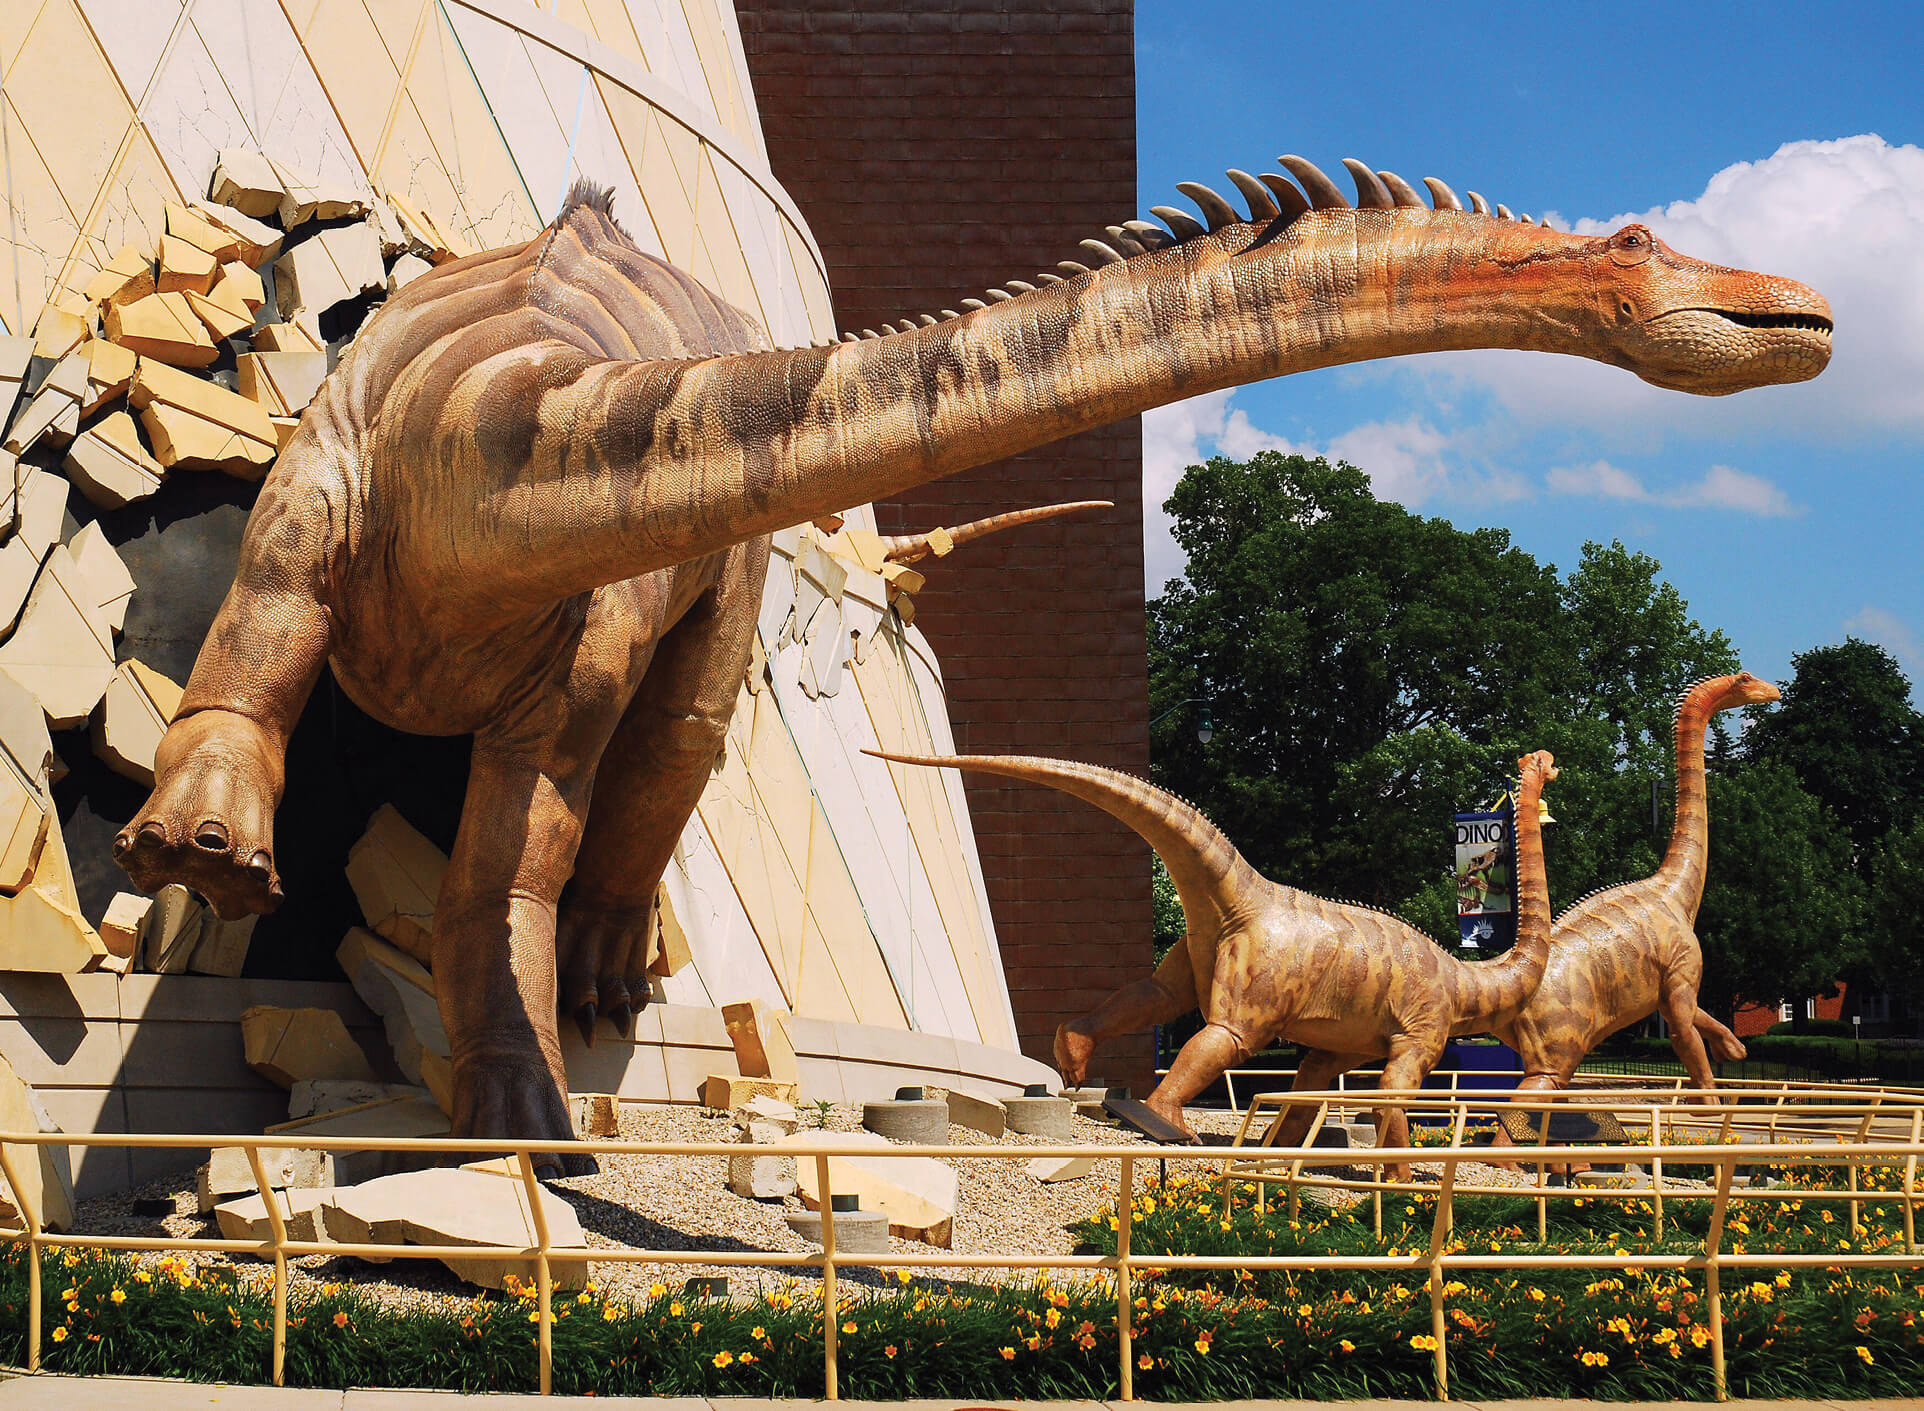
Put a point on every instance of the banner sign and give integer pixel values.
(1486, 878)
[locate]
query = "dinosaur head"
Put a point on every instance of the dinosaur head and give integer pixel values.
(1743, 689)
(1695, 327)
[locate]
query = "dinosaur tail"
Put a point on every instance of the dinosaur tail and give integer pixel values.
(1201, 860)
(1504, 984)
(910, 548)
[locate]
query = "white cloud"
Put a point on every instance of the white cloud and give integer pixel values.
(1846, 217)
(1722, 487)
(1894, 634)
(1408, 461)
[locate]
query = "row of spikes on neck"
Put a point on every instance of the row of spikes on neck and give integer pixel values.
(1271, 197)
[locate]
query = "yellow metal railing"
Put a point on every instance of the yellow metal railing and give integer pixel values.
(1797, 1127)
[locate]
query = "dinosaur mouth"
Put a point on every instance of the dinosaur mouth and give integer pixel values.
(1810, 323)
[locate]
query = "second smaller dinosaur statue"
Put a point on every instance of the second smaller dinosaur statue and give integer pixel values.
(1264, 961)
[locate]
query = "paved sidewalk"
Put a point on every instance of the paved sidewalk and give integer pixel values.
(49, 1393)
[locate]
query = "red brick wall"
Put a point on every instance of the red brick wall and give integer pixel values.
(937, 147)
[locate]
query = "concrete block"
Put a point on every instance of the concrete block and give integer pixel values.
(248, 241)
(398, 1117)
(63, 649)
(759, 1033)
(120, 928)
(40, 503)
(283, 383)
(916, 1193)
(286, 1046)
(334, 266)
(405, 271)
(244, 285)
(62, 326)
(596, 1115)
(301, 1217)
(222, 946)
(770, 1110)
(170, 931)
(458, 1207)
(856, 1231)
(217, 315)
(978, 1114)
(227, 1173)
(110, 368)
(198, 426)
(46, 1178)
(184, 267)
(108, 463)
(396, 875)
(162, 326)
(194, 229)
(246, 181)
(318, 1097)
(287, 338)
(129, 275)
(1048, 1117)
(670, 949)
(762, 1175)
(726, 1092)
(923, 1122)
(397, 988)
(23, 830)
(53, 413)
(132, 717)
(306, 199)
(110, 586)
(1050, 1169)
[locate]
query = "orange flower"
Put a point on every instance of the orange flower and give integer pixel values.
(1008, 1354)
(724, 1358)
(889, 1351)
(1145, 1362)
(340, 1320)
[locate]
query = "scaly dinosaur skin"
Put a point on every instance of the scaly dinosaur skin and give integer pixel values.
(1630, 951)
(1264, 961)
(533, 500)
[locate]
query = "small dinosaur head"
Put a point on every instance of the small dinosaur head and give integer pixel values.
(1536, 770)
(1695, 327)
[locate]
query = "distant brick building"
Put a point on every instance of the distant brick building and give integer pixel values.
(937, 147)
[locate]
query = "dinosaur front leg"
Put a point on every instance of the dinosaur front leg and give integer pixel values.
(218, 772)
(1163, 998)
(651, 775)
(1411, 1059)
(1724, 1045)
(1678, 1006)
(494, 956)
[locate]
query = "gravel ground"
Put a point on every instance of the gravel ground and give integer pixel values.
(670, 1203)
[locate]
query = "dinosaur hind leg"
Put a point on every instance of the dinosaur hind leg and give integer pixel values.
(1724, 1045)
(1678, 1006)
(1411, 1058)
(1163, 998)
(1315, 1073)
(1202, 1061)
(650, 776)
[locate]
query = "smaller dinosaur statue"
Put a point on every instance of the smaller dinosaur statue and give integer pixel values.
(1264, 961)
(913, 548)
(1629, 951)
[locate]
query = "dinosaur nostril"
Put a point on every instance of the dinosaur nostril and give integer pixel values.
(260, 866)
(122, 845)
(151, 834)
(211, 835)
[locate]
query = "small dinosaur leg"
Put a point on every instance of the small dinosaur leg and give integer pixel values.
(1164, 997)
(494, 932)
(1724, 1046)
(1678, 1006)
(1411, 1058)
(1315, 1073)
(650, 776)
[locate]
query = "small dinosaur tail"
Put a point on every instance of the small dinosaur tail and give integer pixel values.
(1201, 860)
(910, 548)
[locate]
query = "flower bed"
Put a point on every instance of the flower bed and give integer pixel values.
(1633, 1333)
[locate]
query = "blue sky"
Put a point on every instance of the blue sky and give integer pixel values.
(1770, 136)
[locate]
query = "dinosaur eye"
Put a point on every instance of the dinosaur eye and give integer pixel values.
(1630, 246)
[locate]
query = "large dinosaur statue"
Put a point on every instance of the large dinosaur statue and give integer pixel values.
(533, 502)
(1626, 952)
(1264, 961)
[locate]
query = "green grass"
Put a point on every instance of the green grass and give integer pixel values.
(1199, 1336)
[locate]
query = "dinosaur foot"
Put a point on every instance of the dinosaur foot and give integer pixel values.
(209, 823)
(1171, 1113)
(1072, 1053)
(601, 959)
(514, 1098)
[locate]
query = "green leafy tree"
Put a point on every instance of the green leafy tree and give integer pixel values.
(1846, 727)
(1168, 921)
(1783, 911)
(1895, 921)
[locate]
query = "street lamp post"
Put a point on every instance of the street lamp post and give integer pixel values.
(1205, 726)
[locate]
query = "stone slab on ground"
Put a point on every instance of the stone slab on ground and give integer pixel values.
(247, 1219)
(398, 1117)
(725, 1091)
(44, 1170)
(978, 1114)
(917, 1193)
(458, 1207)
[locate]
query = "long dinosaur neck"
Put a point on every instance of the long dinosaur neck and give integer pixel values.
(1203, 863)
(655, 463)
(1687, 859)
(1505, 983)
